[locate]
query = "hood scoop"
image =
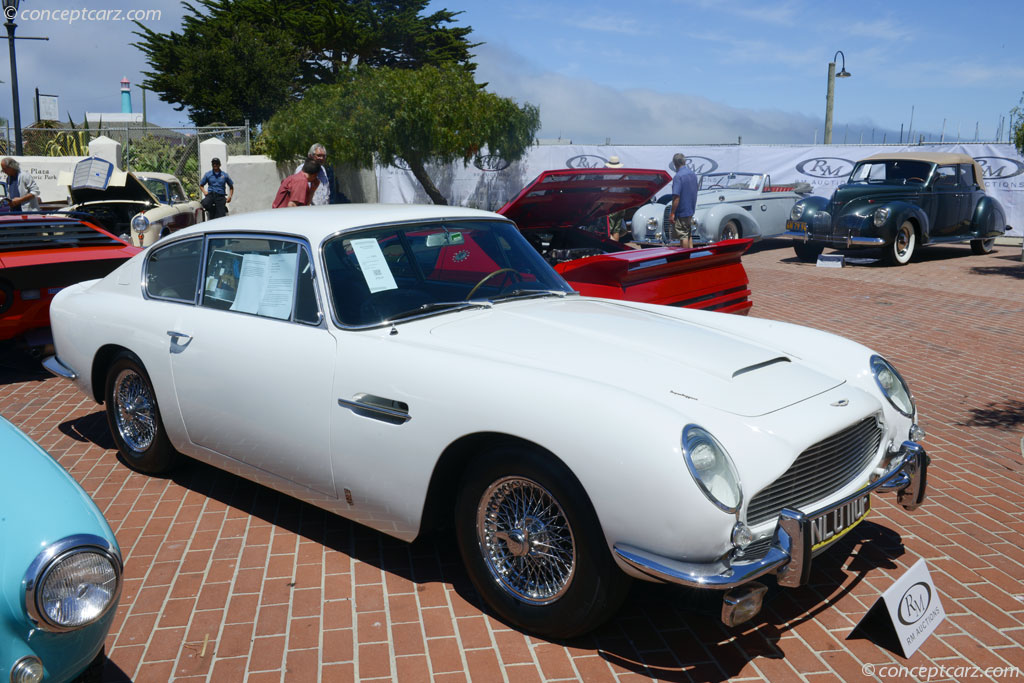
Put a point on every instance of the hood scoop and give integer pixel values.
(758, 366)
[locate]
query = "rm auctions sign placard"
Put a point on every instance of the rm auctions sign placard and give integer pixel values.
(914, 607)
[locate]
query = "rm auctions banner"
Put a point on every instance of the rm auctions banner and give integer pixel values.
(489, 182)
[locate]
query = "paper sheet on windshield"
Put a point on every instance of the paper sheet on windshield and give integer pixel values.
(266, 285)
(373, 264)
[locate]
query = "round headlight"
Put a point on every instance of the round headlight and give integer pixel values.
(140, 223)
(892, 385)
(73, 583)
(712, 468)
(27, 670)
(881, 216)
(796, 212)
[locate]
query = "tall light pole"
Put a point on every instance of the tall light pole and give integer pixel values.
(10, 13)
(829, 95)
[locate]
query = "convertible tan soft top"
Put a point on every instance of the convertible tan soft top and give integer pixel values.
(940, 158)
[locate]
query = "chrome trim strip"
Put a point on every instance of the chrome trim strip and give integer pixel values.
(359, 406)
(54, 365)
(53, 553)
(790, 553)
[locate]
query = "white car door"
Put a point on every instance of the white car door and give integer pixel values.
(253, 367)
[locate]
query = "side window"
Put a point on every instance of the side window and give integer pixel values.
(967, 175)
(177, 194)
(267, 277)
(172, 271)
(945, 176)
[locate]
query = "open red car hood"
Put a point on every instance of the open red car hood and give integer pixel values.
(577, 196)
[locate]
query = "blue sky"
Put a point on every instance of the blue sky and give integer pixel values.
(646, 72)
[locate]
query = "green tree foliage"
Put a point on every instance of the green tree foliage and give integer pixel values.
(1017, 132)
(432, 114)
(235, 59)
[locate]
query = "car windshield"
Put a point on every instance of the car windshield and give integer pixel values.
(731, 181)
(889, 171)
(158, 188)
(386, 274)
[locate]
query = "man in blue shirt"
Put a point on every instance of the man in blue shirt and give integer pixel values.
(684, 201)
(216, 198)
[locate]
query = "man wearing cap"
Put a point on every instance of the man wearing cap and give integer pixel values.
(684, 201)
(21, 187)
(215, 199)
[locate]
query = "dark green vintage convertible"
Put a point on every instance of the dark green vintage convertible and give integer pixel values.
(898, 201)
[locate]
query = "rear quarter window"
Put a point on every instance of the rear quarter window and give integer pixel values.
(172, 271)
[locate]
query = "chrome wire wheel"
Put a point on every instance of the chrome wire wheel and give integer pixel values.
(526, 540)
(135, 410)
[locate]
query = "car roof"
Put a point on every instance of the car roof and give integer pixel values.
(166, 177)
(318, 222)
(940, 158)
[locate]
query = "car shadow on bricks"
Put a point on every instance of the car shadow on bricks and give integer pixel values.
(1014, 271)
(92, 428)
(675, 634)
(998, 415)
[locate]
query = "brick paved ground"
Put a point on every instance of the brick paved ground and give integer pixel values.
(227, 581)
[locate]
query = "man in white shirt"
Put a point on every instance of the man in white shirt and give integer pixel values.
(21, 187)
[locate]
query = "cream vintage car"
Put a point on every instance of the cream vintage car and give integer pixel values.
(729, 206)
(145, 206)
(410, 367)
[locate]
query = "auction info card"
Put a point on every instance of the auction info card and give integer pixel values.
(914, 607)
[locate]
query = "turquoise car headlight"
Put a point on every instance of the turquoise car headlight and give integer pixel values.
(712, 468)
(140, 223)
(796, 212)
(881, 216)
(73, 583)
(892, 385)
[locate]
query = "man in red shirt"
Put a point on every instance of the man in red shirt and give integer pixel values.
(298, 189)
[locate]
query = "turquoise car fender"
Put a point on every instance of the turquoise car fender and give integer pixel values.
(41, 504)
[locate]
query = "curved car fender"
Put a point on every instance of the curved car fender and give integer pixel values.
(989, 219)
(812, 205)
(899, 212)
(717, 216)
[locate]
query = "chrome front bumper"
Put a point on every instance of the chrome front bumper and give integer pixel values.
(55, 367)
(790, 553)
(838, 240)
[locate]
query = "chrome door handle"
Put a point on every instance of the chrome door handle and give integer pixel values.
(179, 337)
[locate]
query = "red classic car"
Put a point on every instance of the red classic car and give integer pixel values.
(564, 215)
(40, 254)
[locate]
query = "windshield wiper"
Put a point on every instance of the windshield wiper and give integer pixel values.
(529, 294)
(436, 307)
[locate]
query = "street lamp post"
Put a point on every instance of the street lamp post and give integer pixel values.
(830, 93)
(11, 11)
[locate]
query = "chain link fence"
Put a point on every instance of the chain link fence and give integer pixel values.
(143, 148)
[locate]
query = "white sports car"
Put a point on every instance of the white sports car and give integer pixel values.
(411, 366)
(729, 205)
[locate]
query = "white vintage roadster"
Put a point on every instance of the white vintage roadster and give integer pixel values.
(410, 366)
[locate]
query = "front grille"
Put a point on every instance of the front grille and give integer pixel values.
(820, 471)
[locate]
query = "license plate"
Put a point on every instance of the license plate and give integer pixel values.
(829, 526)
(796, 226)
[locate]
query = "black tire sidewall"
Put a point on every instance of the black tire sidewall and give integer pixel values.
(597, 587)
(808, 252)
(160, 457)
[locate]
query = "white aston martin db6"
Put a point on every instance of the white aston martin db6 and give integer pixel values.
(410, 367)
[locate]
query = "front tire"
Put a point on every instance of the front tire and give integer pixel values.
(134, 417)
(985, 246)
(532, 545)
(808, 252)
(901, 250)
(730, 231)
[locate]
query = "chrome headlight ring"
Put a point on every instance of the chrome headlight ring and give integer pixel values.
(140, 223)
(712, 468)
(796, 212)
(893, 386)
(881, 216)
(73, 583)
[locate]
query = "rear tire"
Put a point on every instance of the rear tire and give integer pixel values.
(532, 545)
(730, 231)
(901, 250)
(134, 417)
(808, 251)
(984, 246)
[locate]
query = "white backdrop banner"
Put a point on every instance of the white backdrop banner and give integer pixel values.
(489, 182)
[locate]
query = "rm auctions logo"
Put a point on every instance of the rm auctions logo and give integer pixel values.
(491, 162)
(585, 161)
(825, 167)
(999, 168)
(914, 603)
(701, 165)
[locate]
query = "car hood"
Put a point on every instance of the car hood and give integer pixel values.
(577, 196)
(120, 186)
(647, 353)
